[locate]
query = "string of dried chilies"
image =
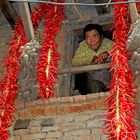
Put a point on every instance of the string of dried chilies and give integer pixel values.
(121, 102)
(8, 85)
(47, 68)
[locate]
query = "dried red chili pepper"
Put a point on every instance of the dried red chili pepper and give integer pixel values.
(8, 84)
(48, 59)
(121, 109)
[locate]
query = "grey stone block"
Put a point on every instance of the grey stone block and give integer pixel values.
(22, 124)
(48, 122)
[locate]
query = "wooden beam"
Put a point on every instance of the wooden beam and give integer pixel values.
(133, 12)
(9, 12)
(27, 22)
(81, 69)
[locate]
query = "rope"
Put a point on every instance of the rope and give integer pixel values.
(78, 4)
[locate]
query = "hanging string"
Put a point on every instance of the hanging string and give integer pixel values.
(78, 3)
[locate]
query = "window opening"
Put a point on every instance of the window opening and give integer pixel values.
(92, 81)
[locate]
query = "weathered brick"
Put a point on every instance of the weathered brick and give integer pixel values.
(24, 114)
(72, 126)
(17, 137)
(41, 102)
(79, 98)
(30, 104)
(86, 137)
(97, 133)
(96, 123)
(37, 112)
(77, 132)
(96, 130)
(66, 138)
(62, 110)
(47, 122)
(100, 113)
(35, 123)
(64, 118)
(67, 99)
(50, 111)
(88, 106)
(26, 137)
(21, 132)
(56, 134)
(75, 108)
(49, 129)
(82, 118)
(92, 96)
(35, 130)
(104, 94)
(54, 100)
(100, 104)
(50, 139)
(22, 124)
(38, 136)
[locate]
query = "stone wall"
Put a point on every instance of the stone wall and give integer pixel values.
(63, 118)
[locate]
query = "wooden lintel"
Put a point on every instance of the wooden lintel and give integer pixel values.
(133, 12)
(26, 19)
(9, 12)
(81, 69)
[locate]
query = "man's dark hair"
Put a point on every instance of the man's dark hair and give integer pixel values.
(90, 27)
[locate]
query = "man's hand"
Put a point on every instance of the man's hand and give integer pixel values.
(101, 58)
(93, 59)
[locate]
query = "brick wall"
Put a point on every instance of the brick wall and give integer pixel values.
(63, 118)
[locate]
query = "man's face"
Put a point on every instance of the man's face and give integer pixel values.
(93, 39)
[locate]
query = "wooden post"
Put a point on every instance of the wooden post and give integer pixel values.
(9, 12)
(27, 22)
(133, 12)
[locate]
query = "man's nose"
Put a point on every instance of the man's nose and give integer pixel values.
(91, 40)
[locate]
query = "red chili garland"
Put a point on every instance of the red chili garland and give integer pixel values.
(121, 109)
(8, 85)
(47, 67)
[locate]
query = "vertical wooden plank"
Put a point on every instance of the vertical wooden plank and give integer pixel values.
(27, 22)
(64, 41)
(133, 12)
